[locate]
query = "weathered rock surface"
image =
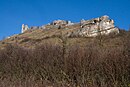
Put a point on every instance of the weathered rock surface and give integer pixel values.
(85, 28)
(97, 26)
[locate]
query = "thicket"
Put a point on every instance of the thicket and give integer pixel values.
(51, 65)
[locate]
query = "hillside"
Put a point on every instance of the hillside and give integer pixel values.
(58, 31)
(86, 54)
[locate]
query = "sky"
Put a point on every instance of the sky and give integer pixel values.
(14, 13)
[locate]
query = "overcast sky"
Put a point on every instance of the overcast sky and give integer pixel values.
(14, 13)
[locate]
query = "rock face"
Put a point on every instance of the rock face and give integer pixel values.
(97, 26)
(86, 28)
(24, 28)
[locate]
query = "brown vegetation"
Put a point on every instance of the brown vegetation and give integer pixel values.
(103, 62)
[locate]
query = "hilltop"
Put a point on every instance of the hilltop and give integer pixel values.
(59, 30)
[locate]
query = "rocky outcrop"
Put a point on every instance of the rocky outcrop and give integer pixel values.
(97, 26)
(34, 27)
(59, 22)
(86, 28)
(24, 28)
